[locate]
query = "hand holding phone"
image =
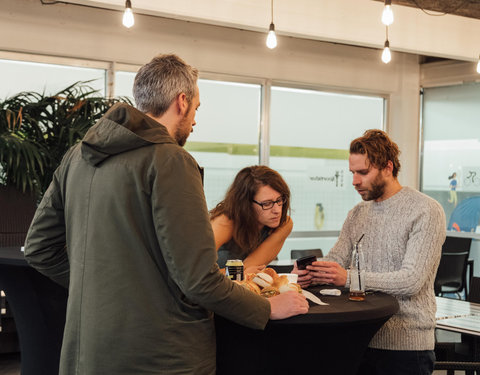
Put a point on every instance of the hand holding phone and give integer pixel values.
(303, 262)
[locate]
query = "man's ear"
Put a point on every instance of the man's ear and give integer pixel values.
(389, 168)
(182, 103)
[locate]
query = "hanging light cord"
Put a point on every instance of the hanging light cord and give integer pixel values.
(54, 2)
(272, 11)
(444, 11)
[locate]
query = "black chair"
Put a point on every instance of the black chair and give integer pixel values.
(470, 272)
(295, 254)
(463, 354)
(474, 295)
(451, 366)
(452, 272)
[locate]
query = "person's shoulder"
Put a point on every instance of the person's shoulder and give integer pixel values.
(285, 228)
(222, 220)
(359, 210)
(361, 206)
(173, 153)
(71, 156)
(420, 200)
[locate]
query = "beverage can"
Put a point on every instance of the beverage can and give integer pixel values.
(234, 269)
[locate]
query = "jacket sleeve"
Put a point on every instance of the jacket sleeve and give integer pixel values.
(185, 237)
(45, 245)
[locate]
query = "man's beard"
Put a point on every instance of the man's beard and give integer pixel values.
(377, 189)
(180, 137)
(180, 134)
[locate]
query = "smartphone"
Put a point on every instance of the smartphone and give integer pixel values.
(303, 262)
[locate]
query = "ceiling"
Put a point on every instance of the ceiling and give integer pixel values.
(417, 28)
(464, 8)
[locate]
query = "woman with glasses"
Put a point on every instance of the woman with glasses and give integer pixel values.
(251, 223)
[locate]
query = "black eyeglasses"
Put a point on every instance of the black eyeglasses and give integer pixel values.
(267, 205)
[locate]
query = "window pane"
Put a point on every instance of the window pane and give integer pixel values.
(225, 138)
(451, 145)
(124, 84)
(17, 76)
(310, 135)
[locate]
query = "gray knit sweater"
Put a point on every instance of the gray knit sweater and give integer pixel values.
(402, 248)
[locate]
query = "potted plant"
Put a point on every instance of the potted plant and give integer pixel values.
(35, 132)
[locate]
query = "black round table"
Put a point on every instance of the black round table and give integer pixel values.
(39, 308)
(327, 340)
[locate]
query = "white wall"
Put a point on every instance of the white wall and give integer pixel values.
(88, 33)
(353, 22)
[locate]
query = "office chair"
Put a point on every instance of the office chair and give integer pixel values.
(295, 254)
(450, 366)
(474, 295)
(452, 271)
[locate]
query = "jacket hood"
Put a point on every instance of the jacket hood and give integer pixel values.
(122, 128)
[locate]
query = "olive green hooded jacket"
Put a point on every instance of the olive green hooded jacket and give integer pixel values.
(125, 227)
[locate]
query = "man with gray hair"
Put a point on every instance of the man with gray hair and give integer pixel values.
(124, 225)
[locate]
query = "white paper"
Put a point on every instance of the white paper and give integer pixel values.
(330, 292)
(313, 297)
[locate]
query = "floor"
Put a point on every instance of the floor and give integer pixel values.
(10, 365)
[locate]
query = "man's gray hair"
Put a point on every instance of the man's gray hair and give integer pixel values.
(159, 82)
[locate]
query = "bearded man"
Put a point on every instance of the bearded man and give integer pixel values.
(403, 231)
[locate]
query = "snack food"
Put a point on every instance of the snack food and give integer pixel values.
(268, 283)
(263, 279)
(250, 285)
(269, 291)
(270, 271)
(290, 287)
(280, 280)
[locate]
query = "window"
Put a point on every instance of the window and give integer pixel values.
(124, 84)
(310, 134)
(17, 76)
(225, 138)
(451, 153)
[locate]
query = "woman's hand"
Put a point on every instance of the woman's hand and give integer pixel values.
(253, 269)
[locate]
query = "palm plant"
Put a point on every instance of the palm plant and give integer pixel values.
(37, 129)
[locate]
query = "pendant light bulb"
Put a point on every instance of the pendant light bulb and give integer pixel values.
(386, 54)
(387, 15)
(271, 37)
(128, 20)
(478, 65)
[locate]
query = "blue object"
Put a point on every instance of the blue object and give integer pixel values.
(466, 215)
